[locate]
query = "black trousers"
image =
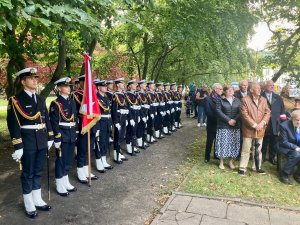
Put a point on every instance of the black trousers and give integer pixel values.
(210, 139)
(158, 119)
(63, 163)
(150, 123)
(102, 142)
(269, 142)
(119, 135)
(32, 168)
(292, 161)
(82, 149)
(140, 130)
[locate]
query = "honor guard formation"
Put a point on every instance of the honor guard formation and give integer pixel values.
(133, 116)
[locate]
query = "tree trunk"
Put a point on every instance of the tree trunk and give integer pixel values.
(146, 56)
(60, 65)
(16, 61)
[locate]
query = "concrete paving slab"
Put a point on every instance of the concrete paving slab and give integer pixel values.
(253, 215)
(180, 203)
(279, 217)
(207, 207)
(208, 220)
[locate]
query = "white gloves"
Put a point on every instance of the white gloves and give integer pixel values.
(50, 143)
(126, 123)
(17, 155)
(172, 110)
(155, 113)
(144, 119)
(132, 123)
(147, 117)
(118, 126)
(97, 133)
(57, 144)
(162, 113)
(139, 119)
(168, 111)
(152, 116)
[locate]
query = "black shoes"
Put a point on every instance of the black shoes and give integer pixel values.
(241, 172)
(101, 171)
(72, 190)
(285, 179)
(66, 194)
(118, 162)
(260, 171)
(32, 214)
(273, 161)
(82, 181)
(44, 207)
(297, 178)
(108, 167)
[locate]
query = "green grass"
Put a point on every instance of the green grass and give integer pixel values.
(208, 179)
(3, 102)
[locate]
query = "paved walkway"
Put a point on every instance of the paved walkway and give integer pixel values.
(185, 209)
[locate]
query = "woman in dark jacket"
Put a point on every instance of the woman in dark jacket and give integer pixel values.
(228, 127)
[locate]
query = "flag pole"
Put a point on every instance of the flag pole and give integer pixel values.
(89, 157)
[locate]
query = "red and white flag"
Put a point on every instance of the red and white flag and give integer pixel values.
(89, 107)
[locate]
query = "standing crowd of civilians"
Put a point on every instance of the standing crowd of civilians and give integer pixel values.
(249, 120)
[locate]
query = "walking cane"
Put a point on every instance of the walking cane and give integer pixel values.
(48, 174)
(256, 153)
(20, 164)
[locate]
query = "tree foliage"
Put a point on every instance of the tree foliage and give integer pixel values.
(283, 20)
(178, 40)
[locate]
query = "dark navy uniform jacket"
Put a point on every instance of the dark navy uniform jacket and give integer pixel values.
(143, 102)
(63, 111)
(152, 101)
(110, 95)
(23, 110)
(133, 106)
(119, 109)
(160, 99)
(168, 100)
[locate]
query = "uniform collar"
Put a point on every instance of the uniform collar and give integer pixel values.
(29, 93)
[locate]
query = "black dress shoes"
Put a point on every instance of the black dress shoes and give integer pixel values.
(66, 194)
(44, 207)
(108, 167)
(82, 181)
(285, 179)
(124, 159)
(72, 190)
(94, 177)
(273, 161)
(101, 171)
(297, 179)
(32, 214)
(118, 162)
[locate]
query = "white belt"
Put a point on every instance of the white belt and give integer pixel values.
(162, 103)
(105, 116)
(136, 107)
(170, 102)
(34, 127)
(155, 104)
(64, 124)
(123, 111)
(146, 106)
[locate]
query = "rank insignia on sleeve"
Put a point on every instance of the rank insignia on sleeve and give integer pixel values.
(52, 109)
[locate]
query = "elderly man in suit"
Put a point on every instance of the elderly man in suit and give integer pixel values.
(243, 91)
(276, 106)
(289, 145)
